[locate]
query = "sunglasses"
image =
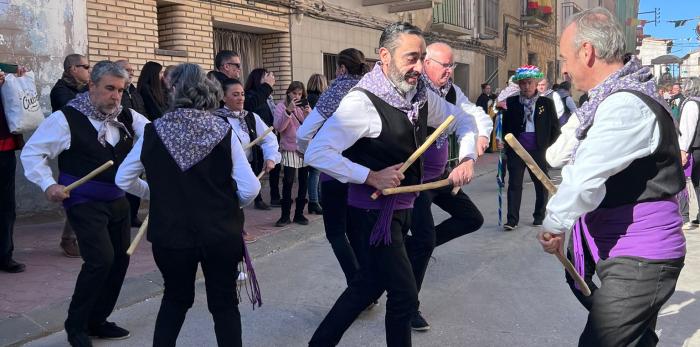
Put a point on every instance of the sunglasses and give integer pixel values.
(86, 66)
(236, 65)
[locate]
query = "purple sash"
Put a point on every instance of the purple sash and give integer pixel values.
(359, 197)
(90, 191)
(528, 140)
(435, 161)
(649, 230)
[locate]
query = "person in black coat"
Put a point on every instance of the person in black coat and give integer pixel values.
(76, 74)
(152, 90)
(486, 95)
(533, 121)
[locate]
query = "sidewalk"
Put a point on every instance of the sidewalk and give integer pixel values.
(34, 303)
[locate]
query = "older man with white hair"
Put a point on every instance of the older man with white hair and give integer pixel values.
(618, 192)
(689, 142)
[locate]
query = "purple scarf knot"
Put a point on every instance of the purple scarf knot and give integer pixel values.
(330, 99)
(83, 104)
(240, 115)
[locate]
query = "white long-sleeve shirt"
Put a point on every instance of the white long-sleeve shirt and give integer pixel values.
(356, 117)
(559, 153)
(625, 129)
(687, 125)
(53, 137)
(269, 145)
(131, 169)
(483, 121)
(315, 120)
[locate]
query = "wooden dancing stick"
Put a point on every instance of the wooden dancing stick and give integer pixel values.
(258, 139)
(261, 174)
(532, 165)
(429, 141)
(418, 187)
(88, 177)
(138, 237)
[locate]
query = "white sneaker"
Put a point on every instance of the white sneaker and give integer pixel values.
(689, 226)
(242, 276)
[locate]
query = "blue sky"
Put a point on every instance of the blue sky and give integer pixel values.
(673, 10)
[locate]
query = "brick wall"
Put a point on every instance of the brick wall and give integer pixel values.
(172, 32)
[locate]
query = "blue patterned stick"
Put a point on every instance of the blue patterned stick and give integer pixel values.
(499, 174)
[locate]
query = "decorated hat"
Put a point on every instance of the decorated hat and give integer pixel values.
(527, 71)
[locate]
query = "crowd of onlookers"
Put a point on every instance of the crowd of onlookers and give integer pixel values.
(149, 96)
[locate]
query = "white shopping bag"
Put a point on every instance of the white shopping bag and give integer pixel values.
(21, 103)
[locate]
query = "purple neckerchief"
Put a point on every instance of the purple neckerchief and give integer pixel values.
(378, 84)
(90, 191)
(83, 104)
(330, 99)
(189, 135)
(632, 76)
(507, 92)
(528, 106)
(359, 197)
(239, 115)
(649, 230)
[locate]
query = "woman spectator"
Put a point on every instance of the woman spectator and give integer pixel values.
(196, 191)
(152, 90)
(334, 194)
(289, 114)
(689, 142)
(258, 99)
(316, 86)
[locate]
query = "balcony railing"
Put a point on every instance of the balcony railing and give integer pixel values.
(453, 16)
(568, 9)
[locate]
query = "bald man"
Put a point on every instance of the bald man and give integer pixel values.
(465, 217)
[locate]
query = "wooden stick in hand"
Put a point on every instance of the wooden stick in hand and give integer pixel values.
(258, 139)
(429, 141)
(138, 237)
(570, 269)
(418, 187)
(531, 164)
(88, 177)
(261, 174)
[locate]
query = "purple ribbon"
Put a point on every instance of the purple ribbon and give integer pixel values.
(251, 285)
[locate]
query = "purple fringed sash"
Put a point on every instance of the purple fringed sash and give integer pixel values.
(359, 197)
(89, 191)
(251, 285)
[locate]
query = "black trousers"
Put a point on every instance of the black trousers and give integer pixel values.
(464, 218)
(103, 232)
(334, 197)
(382, 268)
(288, 183)
(179, 269)
(627, 304)
(134, 202)
(516, 171)
(274, 179)
(8, 163)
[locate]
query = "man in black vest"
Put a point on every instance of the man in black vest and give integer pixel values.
(92, 129)
(533, 121)
(376, 127)
(464, 215)
(133, 100)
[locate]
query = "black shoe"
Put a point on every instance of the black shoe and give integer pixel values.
(537, 222)
(300, 219)
(374, 304)
(13, 267)
(509, 227)
(136, 223)
(418, 323)
(79, 340)
(283, 221)
(275, 202)
(109, 331)
(261, 205)
(315, 208)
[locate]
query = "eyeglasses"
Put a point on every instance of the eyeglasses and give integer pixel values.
(445, 65)
(236, 65)
(84, 66)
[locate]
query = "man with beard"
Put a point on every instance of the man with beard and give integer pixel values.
(92, 129)
(618, 191)
(533, 121)
(376, 127)
(464, 215)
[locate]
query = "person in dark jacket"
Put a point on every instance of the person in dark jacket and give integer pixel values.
(258, 99)
(151, 89)
(486, 95)
(132, 99)
(76, 74)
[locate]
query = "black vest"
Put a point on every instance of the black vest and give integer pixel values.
(86, 153)
(257, 154)
(197, 207)
(398, 139)
(696, 137)
(657, 176)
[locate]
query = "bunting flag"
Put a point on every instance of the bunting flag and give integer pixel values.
(533, 4)
(679, 23)
(546, 6)
(632, 22)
